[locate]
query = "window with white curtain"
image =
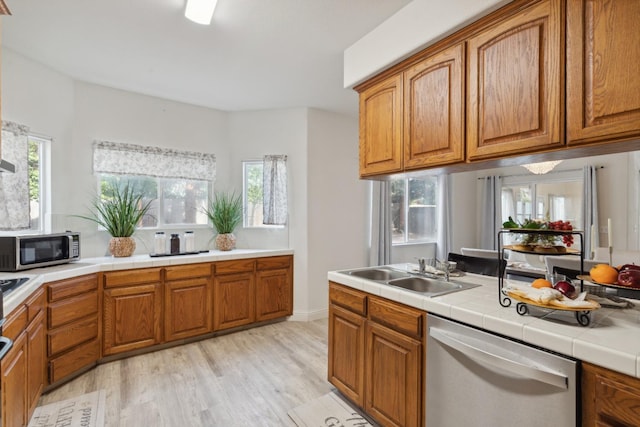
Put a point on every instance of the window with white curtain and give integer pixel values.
(414, 210)
(264, 192)
(178, 183)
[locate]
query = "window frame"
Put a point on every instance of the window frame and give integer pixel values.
(245, 223)
(407, 205)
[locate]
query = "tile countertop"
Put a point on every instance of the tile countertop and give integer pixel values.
(612, 339)
(39, 276)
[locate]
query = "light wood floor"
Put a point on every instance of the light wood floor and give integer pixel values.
(248, 378)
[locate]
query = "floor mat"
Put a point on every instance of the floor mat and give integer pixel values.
(327, 410)
(86, 410)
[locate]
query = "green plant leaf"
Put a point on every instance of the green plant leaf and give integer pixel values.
(225, 212)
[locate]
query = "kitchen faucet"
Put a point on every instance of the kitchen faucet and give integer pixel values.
(445, 267)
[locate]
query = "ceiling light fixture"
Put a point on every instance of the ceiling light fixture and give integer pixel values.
(200, 11)
(542, 167)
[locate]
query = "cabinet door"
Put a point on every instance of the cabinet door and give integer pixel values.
(13, 384)
(187, 308)
(393, 371)
(274, 294)
(36, 361)
(603, 83)
(515, 84)
(132, 318)
(381, 127)
(233, 300)
(609, 398)
(346, 353)
(434, 110)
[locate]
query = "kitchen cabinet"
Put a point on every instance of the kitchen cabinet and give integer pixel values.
(188, 301)
(132, 310)
(609, 398)
(434, 110)
(274, 287)
(381, 111)
(73, 326)
(347, 316)
(234, 294)
(376, 355)
(23, 367)
(515, 84)
(603, 83)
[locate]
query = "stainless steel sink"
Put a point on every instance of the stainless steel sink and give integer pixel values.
(412, 282)
(379, 274)
(432, 287)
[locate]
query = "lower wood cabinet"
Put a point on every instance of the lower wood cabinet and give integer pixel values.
(13, 384)
(609, 398)
(188, 301)
(234, 294)
(376, 355)
(274, 287)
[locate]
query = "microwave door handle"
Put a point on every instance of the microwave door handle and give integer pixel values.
(512, 366)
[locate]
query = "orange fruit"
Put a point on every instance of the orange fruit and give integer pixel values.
(604, 273)
(541, 283)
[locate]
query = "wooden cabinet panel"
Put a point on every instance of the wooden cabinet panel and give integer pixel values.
(188, 306)
(69, 287)
(346, 353)
(273, 262)
(132, 277)
(609, 398)
(71, 309)
(274, 291)
(71, 335)
(235, 266)
(434, 110)
(348, 298)
(13, 384)
(35, 304)
(515, 84)
(402, 318)
(394, 377)
(73, 361)
(132, 317)
(188, 271)
(234, 300)
(381, 127)
(36, 361)
(16, 322)
(603, 83)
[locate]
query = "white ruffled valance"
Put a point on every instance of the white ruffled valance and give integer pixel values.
(131, 159)
(14, 187)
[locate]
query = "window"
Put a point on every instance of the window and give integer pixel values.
(38, 166)
(175, 202)
(252, 194)
(413, 210)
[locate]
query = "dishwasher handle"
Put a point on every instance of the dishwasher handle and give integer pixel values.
(501, 362)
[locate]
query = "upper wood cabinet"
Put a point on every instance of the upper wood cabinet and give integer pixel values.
(515, 84)
(434, 110)
(381, 127)
(603, 82)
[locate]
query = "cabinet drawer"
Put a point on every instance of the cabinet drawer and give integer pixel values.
(235, 266)
(348, 298)
(69, 336)
(187, 271)
(73, 361)
(72, 309)
(35, 304)
(16, 322)
(70, 287)
(132, 277)
(275, 262)
(402, 318)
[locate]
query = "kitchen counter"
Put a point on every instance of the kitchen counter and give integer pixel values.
(612, 340)
(38, 276)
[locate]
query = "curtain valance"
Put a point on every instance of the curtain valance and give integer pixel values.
(131, 159)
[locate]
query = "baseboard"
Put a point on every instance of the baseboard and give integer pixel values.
(308, 316)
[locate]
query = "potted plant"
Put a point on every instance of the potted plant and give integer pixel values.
(119, 212)
(225, 214)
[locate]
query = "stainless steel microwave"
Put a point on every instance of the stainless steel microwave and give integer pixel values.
(24, 252)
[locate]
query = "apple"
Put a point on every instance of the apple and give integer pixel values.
(565, 288)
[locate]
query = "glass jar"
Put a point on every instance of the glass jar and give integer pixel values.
(189, 241)
(160, 243)
(175, 243)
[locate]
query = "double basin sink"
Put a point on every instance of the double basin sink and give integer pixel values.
(418, 282)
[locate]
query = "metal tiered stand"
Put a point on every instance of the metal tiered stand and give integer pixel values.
(582, 316)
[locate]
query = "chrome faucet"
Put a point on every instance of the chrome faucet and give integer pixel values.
(422, 265)
(445, 267)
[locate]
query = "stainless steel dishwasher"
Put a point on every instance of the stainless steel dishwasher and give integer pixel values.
(476, 378)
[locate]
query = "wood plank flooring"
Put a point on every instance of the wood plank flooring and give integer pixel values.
(248, 378)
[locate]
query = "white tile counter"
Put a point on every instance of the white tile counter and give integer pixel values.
(39, 276)
(611, 340)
